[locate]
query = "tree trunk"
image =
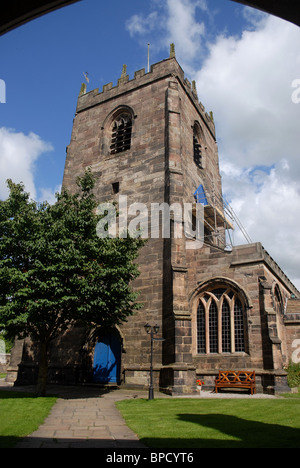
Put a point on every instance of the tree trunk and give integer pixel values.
(43, 370)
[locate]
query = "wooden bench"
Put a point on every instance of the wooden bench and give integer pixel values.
(236, 379)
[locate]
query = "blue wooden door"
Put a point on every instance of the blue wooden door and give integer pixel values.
(107, 360)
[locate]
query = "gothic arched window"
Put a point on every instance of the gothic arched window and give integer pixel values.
(220, 322)
(121, 133)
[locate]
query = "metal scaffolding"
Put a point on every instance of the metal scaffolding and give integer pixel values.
(219, 217)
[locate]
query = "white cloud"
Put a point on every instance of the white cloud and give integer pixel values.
(184, 30)
(247, 82)
(47, 194)
(18, 155)
(172, 21)
(269, 207)
(138, 24)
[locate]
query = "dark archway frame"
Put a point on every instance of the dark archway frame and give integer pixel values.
(18, 12)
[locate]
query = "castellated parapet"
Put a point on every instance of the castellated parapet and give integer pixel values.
(161, 70)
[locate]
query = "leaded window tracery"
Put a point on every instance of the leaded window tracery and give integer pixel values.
(121, 133)
(220, 322)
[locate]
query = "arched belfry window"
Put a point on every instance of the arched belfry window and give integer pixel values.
(121, 133)
(198, 145)
(220, 321)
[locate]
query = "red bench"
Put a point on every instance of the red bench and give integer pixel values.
(236, 379)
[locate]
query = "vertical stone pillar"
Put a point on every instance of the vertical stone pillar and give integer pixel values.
(276, 380)
(274, 359)
(183, 372)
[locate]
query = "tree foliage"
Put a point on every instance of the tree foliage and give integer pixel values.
(54, 269)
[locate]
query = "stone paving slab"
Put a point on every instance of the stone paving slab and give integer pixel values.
(92, 422)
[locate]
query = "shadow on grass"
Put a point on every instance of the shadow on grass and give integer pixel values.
(233, 432)
(9, 441)
(50, 442)
(5, 395)
(62, 391)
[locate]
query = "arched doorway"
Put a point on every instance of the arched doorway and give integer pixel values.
(107, 359)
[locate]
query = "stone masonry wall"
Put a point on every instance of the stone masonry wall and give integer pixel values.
(140, 173)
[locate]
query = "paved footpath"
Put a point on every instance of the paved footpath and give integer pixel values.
(86, 417)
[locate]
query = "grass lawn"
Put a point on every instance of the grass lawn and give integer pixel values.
(208, 423)
(21, 414)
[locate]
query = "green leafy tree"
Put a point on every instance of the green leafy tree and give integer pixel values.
(55, 272)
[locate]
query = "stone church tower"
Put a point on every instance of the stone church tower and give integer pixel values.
(150, 142)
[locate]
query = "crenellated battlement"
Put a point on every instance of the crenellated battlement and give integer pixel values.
(160, 70)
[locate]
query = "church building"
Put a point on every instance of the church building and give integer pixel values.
(150, 143)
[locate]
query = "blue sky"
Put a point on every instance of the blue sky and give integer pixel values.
(42, 64)
(244, 63)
